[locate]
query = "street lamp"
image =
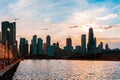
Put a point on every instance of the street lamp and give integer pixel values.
(8, 34)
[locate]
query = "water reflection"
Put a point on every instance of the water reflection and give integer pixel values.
(67, 70)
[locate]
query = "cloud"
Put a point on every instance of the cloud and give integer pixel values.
(109, 16)
(75, 26)
(61, 18)
(94, 15)
(111, 27)
(29, 9)
(45, 29)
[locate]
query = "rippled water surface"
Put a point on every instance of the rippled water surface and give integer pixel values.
(67, 70)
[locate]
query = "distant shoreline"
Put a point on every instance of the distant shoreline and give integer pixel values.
(115, 56)
(71, 59)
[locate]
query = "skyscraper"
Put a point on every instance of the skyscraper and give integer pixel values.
(68, 42)
(100, 47)
(40, 46)
(48, 45)
(23, 47)
(34, 45)
(9, 35)
(50, 51)
(48, 40)
(57, 44)
(45, 48)
(31, 48)
(91, 41)
(83, 44)
(107, 47)
(90, 38)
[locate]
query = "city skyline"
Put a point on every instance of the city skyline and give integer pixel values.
(38, 48)
(62, 19)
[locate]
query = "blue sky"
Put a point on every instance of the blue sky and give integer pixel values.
(56, 17)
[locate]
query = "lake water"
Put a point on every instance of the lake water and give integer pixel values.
(67, 70)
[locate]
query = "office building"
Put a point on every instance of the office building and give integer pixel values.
(48, 40)
(83, 44)
(40, 46)
(48, 44)
(107, 47)
(100, 47)
(34, 45)
(91, 42)
(68, 44)
(78, 49)
(45, 48)
(23, 47)
(50, 50)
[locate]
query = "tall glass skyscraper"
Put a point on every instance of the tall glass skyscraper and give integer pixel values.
(83, 44)
(68, 42)
(48, 40)
(23, 47)
(40, 46)
(48, 45)
(91, 41)
(34, 45)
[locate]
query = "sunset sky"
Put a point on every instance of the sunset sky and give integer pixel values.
(64, 18)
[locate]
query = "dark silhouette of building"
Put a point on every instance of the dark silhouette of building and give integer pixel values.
(55, 45)
(68, 42)
(40, 46)
(91, 42)
(23, 47)
(58, 45)
(9, 34)
(68, 49)
(78, 49)
(45, 48)
(49, 48)
(107, 47)
(83, 44)
(48, 40)
(48, 44)
(56, 52)
(34, 45)
(100, 47)
(31, 49)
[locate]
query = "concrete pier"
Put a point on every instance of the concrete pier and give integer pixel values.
(8, 71)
